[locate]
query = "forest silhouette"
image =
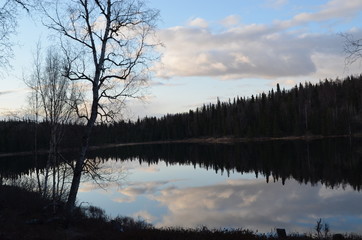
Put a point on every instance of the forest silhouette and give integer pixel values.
(329, 108)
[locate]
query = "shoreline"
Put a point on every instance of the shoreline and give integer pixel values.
(201, 140)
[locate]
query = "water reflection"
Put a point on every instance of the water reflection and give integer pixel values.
(194, 197)
(263, 185)
(332, 162)
(254, 204)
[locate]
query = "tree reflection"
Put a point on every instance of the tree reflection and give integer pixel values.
(332, 162)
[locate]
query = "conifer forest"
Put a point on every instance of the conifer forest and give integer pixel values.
(328, 108)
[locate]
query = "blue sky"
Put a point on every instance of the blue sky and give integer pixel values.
(220, 49)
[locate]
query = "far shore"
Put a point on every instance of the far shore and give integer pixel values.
(205, 140)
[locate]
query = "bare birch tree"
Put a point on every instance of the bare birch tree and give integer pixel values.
(55, 92)
(50, 99)
(110, 52)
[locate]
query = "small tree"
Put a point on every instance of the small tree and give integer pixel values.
(322, 227)
(318, 228)
(107, 45)
(51, 94)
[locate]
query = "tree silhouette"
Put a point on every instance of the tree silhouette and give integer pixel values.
(109, 55)
(8, 24)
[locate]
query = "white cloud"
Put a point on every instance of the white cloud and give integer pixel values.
(269, 51)
(238, 53)
(18, 90)
(276, 3)
(198, 22)
(148, 217)
(338, 9)
(231, 20)
(335, 9)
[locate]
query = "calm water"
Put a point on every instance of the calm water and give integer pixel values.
(259, 186)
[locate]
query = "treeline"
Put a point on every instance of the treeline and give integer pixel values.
(26, 135)
(331, 107)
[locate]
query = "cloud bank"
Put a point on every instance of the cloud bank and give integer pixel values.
(280, 49)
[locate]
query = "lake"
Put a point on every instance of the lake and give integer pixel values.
(259, 186)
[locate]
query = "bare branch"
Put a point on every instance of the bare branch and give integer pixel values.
(24, 4)
(109, 53)
(352, 48)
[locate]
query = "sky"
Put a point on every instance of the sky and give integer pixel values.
(219, 49)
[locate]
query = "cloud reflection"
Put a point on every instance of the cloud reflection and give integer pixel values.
(255, 205)
(88, 187)
(135, 189)
(236, 202)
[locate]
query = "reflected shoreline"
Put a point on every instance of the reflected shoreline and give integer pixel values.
(332, 161)
(204, 140)
(320, 178)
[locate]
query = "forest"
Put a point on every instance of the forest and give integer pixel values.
(328, 108)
